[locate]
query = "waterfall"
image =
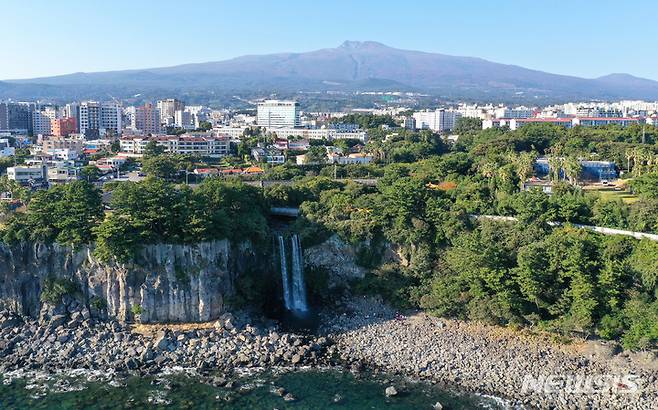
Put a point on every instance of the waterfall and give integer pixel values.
(294, 288)
(284, 273)
(298, 286)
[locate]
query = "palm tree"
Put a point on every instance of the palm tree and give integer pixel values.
(488, 169)
(630, 156)
(572, 169)
(554, 168)
(524, 163)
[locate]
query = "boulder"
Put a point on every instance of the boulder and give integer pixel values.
(391, 391)
(57, 321)
(162, 341)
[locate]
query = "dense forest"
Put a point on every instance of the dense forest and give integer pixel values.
(415, 229)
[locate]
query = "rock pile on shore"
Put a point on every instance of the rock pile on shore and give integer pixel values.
(487, 359)
(366, 335)
(75, 341)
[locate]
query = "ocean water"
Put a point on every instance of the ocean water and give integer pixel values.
(313, 389)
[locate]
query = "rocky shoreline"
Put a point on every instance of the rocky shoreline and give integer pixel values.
(491, 360)
(77, 342)
(366, 336)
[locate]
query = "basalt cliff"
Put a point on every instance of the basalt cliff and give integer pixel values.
(165, 283)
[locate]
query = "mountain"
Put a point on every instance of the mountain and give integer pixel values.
(353, 66)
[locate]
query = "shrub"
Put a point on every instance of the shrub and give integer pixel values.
(54, 289)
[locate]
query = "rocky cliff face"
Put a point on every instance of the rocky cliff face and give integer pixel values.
(166, 283)
(338, 257)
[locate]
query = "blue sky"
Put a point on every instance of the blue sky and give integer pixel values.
(587, 38)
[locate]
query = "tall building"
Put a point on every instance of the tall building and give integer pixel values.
(278, 114)
(4, 116)
(147, 119)
(72, 110)
(409, 123)
(169, 107)
(99, 119)
(438, 120)
(448, 119)
(63, 127)
(184, 119)
(16, 116)
(42, 120)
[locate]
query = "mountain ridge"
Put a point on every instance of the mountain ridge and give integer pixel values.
(355, 63)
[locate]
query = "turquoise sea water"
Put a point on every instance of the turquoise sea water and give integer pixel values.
(313, 389)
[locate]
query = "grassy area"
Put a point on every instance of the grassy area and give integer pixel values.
(617, 190)
(625, 196)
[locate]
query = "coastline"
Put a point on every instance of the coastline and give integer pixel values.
(490, 360)
(364, 336)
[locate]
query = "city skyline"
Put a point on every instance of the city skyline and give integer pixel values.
(547, 37)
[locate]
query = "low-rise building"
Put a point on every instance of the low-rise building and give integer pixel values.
(206, 172)
(270, 155)
(566, 122)
(26, 174)
(292, 144)
(65, 154)
(62, 175)
(602, 121)
(6, 150)
(199, 145)
(589, 170)
(320, 133)
(112, 163)
(72, 143)
(359, 158)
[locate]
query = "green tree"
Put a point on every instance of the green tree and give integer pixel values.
(160, 166)
(153, 149)
(316, 155)
(90, 173)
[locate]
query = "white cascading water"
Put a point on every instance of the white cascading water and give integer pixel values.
(284, 273)
(298, 285)
(294, 289)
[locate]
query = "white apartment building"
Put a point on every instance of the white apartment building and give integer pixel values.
(185, 120)
(26, 174)
(42, 120)
(437, 120)
(518, 112)
(169, 107)
(278, 114)
(319, 133)
(234, 132)
(409, 123)
(204, 146)
(71, 110)
(98, 119)
(64, 154)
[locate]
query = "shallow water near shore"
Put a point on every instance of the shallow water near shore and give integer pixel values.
(312, 389)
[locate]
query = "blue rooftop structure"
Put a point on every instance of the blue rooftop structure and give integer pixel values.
(591, 170)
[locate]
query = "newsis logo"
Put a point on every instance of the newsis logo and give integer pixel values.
(582, 384)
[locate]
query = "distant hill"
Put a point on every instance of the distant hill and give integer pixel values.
(352, 66)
